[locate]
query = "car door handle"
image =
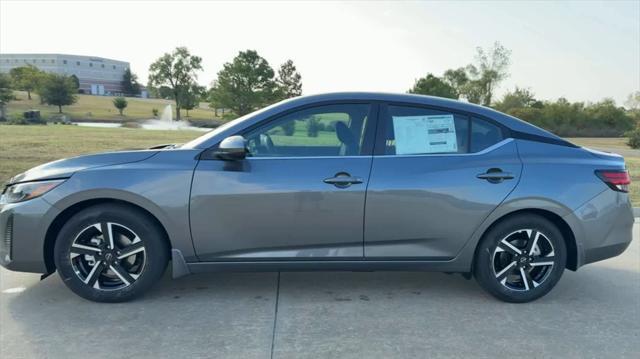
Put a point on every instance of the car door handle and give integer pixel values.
(343, 180)
(495, 176)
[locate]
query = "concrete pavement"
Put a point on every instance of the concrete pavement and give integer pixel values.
(594, 312)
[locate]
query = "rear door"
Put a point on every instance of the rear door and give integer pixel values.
(436, 175)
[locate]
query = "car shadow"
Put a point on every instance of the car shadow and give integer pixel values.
(596, 282)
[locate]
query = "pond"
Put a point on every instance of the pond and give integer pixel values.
(148, 125)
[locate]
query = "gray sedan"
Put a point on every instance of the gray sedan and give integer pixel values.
(345, 181)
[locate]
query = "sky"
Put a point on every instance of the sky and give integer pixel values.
(583, 51)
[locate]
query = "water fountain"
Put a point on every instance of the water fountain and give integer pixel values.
(167, 114)
(165, 122)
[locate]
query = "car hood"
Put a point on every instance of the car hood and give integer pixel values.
(66, 167)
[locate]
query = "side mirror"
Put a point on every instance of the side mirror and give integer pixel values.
(232, 148)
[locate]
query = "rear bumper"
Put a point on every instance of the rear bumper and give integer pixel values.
(603, 227)
(597, 254)
(23, 229)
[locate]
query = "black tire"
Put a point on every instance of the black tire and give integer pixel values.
(114, 278)
(497, 265)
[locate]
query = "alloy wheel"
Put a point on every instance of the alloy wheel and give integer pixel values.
(523, 260)
(107, 256)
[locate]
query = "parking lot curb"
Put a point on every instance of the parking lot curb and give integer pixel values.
(636, 212)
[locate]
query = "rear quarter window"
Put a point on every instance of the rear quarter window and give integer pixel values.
(484, 134)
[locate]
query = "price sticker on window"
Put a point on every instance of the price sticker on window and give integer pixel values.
(424, 134)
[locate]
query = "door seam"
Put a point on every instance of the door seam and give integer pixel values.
(366, 188)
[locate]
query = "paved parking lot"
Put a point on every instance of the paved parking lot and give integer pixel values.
(592, 313)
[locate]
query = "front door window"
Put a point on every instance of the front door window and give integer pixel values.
(331, 130)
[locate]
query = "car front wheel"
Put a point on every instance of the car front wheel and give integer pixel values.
(520, 259)
(110, 253)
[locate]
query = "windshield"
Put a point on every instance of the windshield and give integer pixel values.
(197, 142)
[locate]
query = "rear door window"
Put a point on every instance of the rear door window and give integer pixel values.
(408, 130)
(418, 131)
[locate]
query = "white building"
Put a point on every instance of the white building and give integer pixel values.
(97, 75)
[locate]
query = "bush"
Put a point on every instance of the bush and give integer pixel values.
(313, 127)
(331, 126)
(601, 119)
(17, 120)
(130, 124)
(289, 128)
(228, 116)
(634, 138)
(120, 103)
(62, 119)
(212, 123)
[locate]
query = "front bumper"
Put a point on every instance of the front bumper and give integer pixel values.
(603, 227)
(23, 228)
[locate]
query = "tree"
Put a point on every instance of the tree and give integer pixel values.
(120, 103)
(473, 91)
(129, 83)
(289, 128)
(176, 70)
(490, 69)
(58, 90)
(76, 81)
(457, 79)
(163, 92)
(475, 82)
(244, 84)
(434, 86)
(633, 101)
(607, 115)
(190, 98)
(634, 138)
(289, 81)
(633, 109)
(519, 98)
(6, 93)
(567, 119)
(313, 126)
(26, 78)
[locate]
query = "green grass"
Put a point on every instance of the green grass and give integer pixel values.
(300, 137)
(633, 164)
(100, 108)
(23, 147)
(324, 138)
(609, 143)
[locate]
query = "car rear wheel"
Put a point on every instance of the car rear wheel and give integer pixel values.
(110, 253)
(520, 259)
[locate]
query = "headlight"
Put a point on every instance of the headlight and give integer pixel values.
(21, 192)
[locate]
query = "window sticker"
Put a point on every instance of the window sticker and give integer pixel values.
(424, 134)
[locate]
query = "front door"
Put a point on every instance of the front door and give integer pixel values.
(299, 194)
(436, 175)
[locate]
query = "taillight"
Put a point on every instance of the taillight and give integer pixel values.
(618, 180)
